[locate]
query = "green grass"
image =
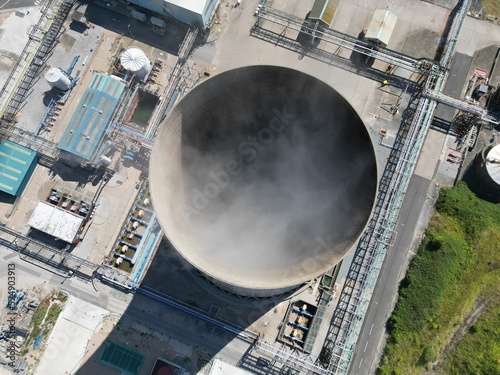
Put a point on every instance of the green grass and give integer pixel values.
(479, 351)
(457, 262)
(46, 315)
(52, 315)
(492, 7)
(38, 317)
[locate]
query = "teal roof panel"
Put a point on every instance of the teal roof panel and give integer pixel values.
(17, 164)
(92, 116)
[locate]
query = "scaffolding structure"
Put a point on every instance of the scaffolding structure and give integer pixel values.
(291, 360)
(461, 105)
(370, 252)
(125, 132)
(65, 263)
(38, 251)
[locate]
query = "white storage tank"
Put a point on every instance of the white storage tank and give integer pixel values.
(483, 175)
(136, 61)
(56, 78)
(105, 160)
(493, 164)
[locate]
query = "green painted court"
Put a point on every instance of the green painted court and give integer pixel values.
(121, 358)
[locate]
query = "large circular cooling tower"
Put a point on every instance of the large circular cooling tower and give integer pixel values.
(263, 177)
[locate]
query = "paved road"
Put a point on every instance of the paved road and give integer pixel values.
(459, 69)
(387, 285)
(134, 309)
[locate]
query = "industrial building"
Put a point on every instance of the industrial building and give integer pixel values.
(323, 11)
(381, 27)
(245, 225)
(190, 12)
(88, 124)
(17, 164)
(296, 329)
(59, 222)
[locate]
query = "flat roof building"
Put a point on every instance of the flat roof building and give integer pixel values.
(92, 116)
(381, 27)
(191, 12)
(323, 10)
(56, 221)
(17, 164)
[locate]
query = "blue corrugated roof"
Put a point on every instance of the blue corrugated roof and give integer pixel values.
(92, 116)
(17, 164)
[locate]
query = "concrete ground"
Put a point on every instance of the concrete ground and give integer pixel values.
(100, 234)
(182, 282)
(69, 339)
(160, 330)
(13, 37)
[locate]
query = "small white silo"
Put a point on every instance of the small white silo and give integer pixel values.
(483, 176)
(493, 164)
(58, 79)
(136, 61)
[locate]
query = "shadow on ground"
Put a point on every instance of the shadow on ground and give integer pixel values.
(115, 20)
(159, 331)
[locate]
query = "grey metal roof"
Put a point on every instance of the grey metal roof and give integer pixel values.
(92, 116)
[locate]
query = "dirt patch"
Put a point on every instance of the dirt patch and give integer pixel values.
(67, 42)
(7, 60)
(421, 43)
(491, 8)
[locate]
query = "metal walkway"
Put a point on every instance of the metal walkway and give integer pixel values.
(369, 255)
(42, 39)
(291, 359)
(462, 106)
(56, 258)
(122, 130)
(60, 261)
(173, 82)
(313, 31)
(47, 150)
(327, 57)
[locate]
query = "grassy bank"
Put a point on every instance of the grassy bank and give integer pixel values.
(479, 351)
(457, 262)
(492, 7)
